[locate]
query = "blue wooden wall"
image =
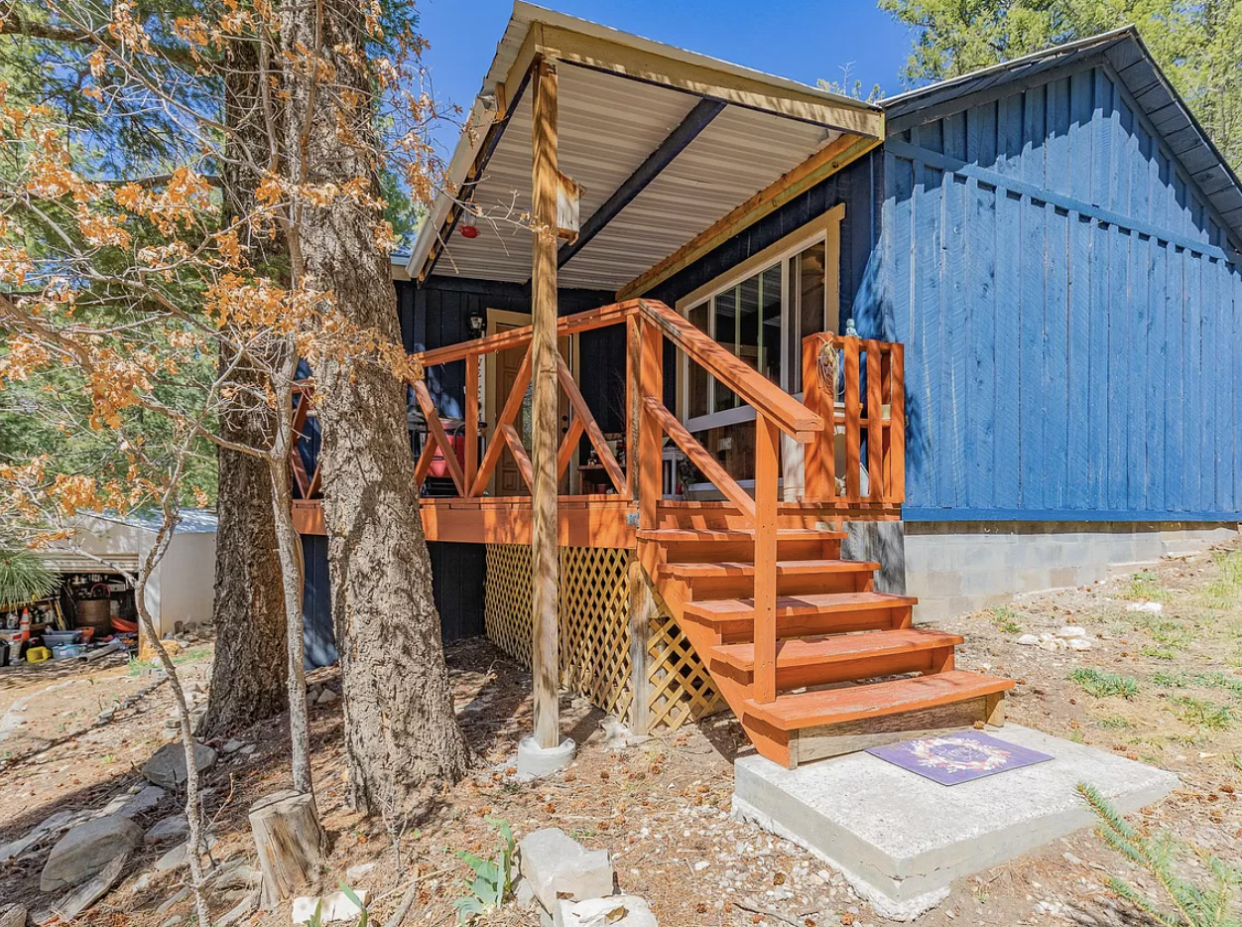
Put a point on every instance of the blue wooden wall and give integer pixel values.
(1071, 312)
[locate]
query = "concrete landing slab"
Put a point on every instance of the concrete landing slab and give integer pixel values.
(901, 839)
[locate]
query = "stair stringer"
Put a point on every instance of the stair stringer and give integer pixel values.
(670, 594)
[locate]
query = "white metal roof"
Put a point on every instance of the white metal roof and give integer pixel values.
(607, 126)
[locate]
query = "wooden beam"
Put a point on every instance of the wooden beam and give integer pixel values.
(674, 144)
(516, 448)
(767, 472)
(842, 152)
(668, 67)
(600, 522)
(707, 464)
(545, 412)
(795, 419)
(569, 445)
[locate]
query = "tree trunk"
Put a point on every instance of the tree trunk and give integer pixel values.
(248, 675)
(289, 843)
(400, 727)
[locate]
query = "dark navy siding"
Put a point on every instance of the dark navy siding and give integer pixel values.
(1071, 316)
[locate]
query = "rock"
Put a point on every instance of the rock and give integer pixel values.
(173, 921)
(231, 746)
(1152, 608)
(1028, 640)
(174, 899)
(167, 766)
(179, 855)
(1071, 631)
(334, 907)
(146, 799)
(13, 915)
(87, 850)
(173, 826)
(1080, 643)
(93, 888)
(613, 911)
(237, 875)
(58, 821)
(558, 867)
(243, 909)
(523, 894)
(248, 749)
(355, 874)
(327, 696)
(141, 884)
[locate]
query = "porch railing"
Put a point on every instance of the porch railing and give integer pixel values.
(853, 390)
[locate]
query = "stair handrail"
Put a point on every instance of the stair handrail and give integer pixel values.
(752, 387)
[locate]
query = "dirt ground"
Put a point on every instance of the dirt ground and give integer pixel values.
(74, 737)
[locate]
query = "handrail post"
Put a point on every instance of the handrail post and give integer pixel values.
(767, 473)
(472, 421)
(897, 424)
(819, 455)
(650, 462)
(853, 420)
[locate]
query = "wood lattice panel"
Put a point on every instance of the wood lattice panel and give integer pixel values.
(595, 635)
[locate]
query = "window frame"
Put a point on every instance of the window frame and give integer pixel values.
(827, 229)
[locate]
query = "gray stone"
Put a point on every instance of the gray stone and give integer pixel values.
(15, 848)
(173, 899)
(13, 915)
(238, 875)
(232, 746)
(90, 891)
(87, 850)
(145, 800)
(523, 894)
(558, 867)
(534, 761)
(173, 826)
(166, 767)
(902, 855)
(179, 856)
(327, 696)
(613, 911)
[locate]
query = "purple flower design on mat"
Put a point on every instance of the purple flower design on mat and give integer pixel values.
(951, 759)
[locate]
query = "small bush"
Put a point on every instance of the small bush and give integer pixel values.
(1114, 722)
(1146, 585)
(1190, 905)
(1202, 713)
(1105, 685)
(1006, 619)
(1171, 680)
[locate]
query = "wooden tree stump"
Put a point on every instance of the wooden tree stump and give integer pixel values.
(290, 844)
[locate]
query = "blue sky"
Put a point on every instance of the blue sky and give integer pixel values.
(799, 39)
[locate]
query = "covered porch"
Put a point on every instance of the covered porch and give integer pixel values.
(647, 415)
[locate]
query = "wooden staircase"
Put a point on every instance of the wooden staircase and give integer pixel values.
(851, 671)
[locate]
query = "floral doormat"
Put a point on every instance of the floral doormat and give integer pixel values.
(952, 759)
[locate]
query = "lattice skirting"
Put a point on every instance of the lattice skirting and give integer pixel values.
(595, 634)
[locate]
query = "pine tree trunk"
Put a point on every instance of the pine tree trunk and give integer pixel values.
(248, 676)
(400, 727)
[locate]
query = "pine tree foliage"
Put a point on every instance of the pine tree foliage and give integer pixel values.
(1185, 904)
(23, 577)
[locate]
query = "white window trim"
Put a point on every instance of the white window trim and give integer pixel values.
(826, 228)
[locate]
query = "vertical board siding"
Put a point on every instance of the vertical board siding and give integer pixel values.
(1061, 363)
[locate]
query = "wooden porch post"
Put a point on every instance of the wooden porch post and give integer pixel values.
(545, 656)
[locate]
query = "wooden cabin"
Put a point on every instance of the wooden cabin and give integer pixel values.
(818, 362)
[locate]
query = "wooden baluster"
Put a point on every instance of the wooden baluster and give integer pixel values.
(897, 424)
(472, 421)
(651, 435)
(767, 473)
(818, 455)
(853, 422)
(633, 402)
(875, 423)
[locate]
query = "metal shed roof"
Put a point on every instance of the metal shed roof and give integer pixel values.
(612, 118)
(1124, 51)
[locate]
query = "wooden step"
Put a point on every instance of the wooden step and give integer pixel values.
(875, 700)
(676, 535)
(842, 648)
(715, 611)
(707, 570)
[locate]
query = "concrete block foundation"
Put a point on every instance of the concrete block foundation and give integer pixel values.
(901, 840)
(959, 567)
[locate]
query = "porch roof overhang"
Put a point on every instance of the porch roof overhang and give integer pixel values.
(674, 152)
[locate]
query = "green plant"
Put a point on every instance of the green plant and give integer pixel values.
(1005, 618)
(1114, 722)
(24, 577)
(1171, 680)
(1202, 713)
(491, 884)
(1158, 653)
(1104, 685)
(1192, 906)
(1145, 584)
(1219, 680)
